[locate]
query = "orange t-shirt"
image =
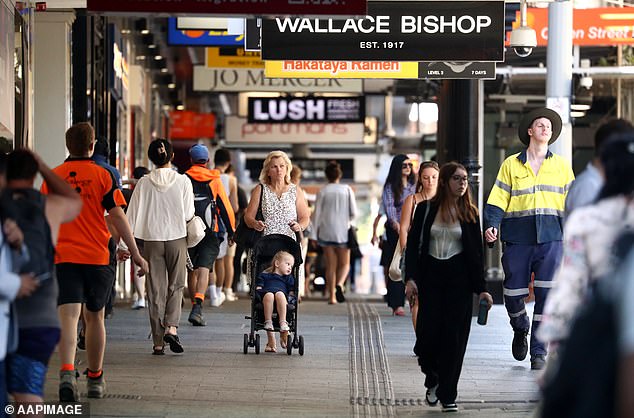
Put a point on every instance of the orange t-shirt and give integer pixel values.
(85, 239)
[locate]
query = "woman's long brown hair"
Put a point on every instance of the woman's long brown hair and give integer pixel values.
(450, 209)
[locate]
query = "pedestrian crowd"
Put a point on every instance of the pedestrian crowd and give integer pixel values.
(569, 240)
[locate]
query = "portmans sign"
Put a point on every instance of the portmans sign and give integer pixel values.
(393, 31)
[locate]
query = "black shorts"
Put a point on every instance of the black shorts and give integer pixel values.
(205, 253)
(85, 283)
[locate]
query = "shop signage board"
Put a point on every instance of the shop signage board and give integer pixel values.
(600, 26)
(176, 36)
(239, 130)
(186, 124)
(231, 7)
(239, 79)
(306, 109)
(341, 69)
(392, 31)
(457, 70)
(232, 57)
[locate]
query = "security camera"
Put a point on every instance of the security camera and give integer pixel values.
(523, 40)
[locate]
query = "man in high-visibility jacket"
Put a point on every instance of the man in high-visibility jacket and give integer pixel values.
(528, 200)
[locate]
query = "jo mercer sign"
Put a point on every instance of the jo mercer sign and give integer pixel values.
(393, 31)
(239, 130)
(233, 7)
(602, 26)
(303, 109)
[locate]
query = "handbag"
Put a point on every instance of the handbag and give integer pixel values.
(397, 265)
(196, 229)
(245, 236)
(353, 243)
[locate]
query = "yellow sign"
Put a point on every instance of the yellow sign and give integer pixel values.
(232, 57)
(340, 69)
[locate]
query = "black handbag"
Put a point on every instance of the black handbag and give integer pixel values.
(353, 243)
(245, 236)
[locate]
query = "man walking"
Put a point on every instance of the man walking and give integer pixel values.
(211, 204)
(83, 260)
(527, 202)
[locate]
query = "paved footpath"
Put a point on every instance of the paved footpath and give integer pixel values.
(358, 362)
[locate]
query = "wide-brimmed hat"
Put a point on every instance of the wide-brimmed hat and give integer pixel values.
(527, 121)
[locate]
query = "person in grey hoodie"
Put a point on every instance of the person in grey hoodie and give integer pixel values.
(162, 203)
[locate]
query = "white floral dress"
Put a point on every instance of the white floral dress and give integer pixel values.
(589, 235)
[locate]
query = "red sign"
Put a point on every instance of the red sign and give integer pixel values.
(601, 26)
(233, 7)
(192, 125)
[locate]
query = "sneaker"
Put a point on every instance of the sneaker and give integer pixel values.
(68, 386)
(218, 300)
(268, 325)
(449, 407)
(520, 345)
(430, 396)
(231, 297)
(138, 304)
(538, 362)
(196, 316)
(96, 387)
(284, 326)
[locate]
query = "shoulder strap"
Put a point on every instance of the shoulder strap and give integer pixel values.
(259, 215)
(411, 215)
(422, 229)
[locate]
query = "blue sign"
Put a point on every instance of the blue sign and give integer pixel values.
(200, 37)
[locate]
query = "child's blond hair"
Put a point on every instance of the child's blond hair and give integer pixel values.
(278, 256)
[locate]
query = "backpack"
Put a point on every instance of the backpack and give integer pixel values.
(26, 207)
(204, 203)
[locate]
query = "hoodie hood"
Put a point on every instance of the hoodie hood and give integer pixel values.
(202, 173)
(163, 178)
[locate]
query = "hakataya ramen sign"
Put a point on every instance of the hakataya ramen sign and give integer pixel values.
(393, 31)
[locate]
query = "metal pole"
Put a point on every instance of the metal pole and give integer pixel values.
(559, 76)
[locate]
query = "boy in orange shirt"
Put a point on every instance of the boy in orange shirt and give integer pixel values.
(82, 260)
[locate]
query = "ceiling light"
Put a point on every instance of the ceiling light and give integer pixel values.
(171, 86)
(145, 32)
(180, 107)
(577, 114)
(158, 57)
(164, 70)
(580, 106)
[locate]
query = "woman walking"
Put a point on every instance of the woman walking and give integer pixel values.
(161, 205)
(334, 209)
(444, 265)
(283, 205)
(425, 190)
(398, 185)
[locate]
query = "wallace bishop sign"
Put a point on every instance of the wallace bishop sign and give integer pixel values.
(393, 31)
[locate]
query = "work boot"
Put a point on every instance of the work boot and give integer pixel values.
(68, 386)
(196, 316)
(520, 345)
(537, 362)
(96, 386)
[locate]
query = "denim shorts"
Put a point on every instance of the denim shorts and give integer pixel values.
(332, 244)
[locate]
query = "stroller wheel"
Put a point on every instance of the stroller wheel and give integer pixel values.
(301, 345)
(245, 346)
(289, 348)
(257, 343)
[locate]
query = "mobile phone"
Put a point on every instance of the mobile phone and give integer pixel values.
(43, 276)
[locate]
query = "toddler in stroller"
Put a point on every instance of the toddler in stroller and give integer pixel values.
(275, 261)
(276, 283)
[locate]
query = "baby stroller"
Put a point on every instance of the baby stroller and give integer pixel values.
(262, 254)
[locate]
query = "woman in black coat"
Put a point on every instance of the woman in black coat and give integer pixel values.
(444, 265)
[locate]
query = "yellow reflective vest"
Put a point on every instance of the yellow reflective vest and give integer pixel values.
(529, 208)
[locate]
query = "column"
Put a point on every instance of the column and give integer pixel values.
(52, 84)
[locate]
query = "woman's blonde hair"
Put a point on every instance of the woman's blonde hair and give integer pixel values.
(277, 257)
(264, 174)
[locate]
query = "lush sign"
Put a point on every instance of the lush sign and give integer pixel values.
(306, 109)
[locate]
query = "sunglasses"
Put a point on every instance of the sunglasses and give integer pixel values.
(407, 165)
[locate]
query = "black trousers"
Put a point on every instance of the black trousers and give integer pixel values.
(395, 290)
(444, 321)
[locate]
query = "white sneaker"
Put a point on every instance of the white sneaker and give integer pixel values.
(231, 297)
(138, 304)
(219, 300)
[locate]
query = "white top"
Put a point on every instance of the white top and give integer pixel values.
(335, 208)
(279, 212)
(161, 205)
(589, 235)
(445, 241)
(584, 190)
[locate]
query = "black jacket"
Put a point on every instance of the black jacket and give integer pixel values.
(416, 252)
